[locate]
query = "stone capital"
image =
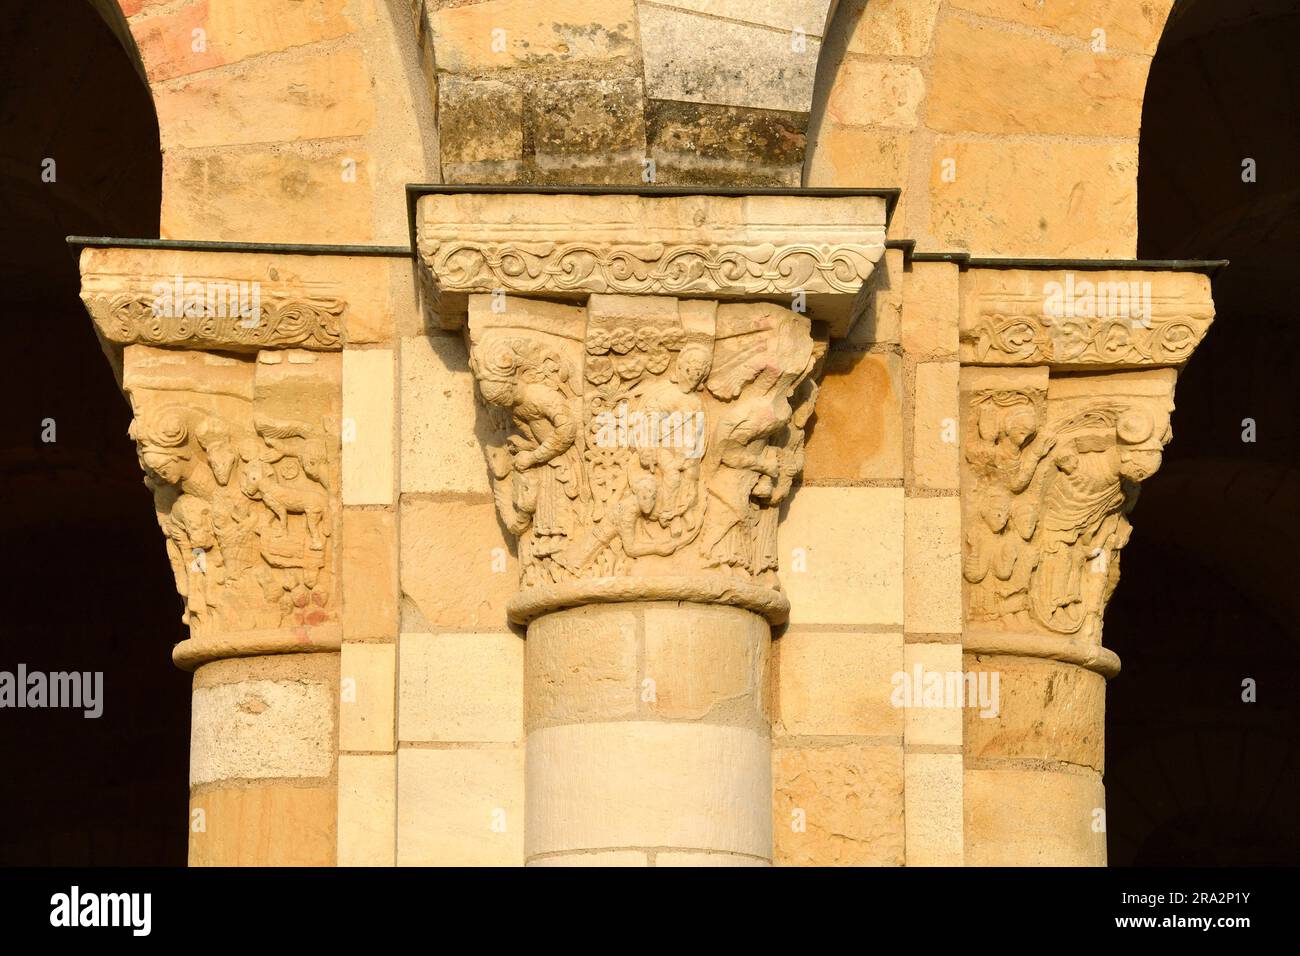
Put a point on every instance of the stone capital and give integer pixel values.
(649, 363)
(1067, 389)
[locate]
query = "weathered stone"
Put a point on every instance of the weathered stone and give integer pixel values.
(581, 665)
(932, 561)
(460, 807)
(836, 683)
(461, 688)
(859, 419)
(485, 120)
(442, 427)
(367, 673)
(838, 806)
(367, 829)
(369, 584)
(1034, 818)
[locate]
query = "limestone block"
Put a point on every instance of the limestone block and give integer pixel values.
(460, 807)
(891, 27)
(933, 582)
(442, 435)
(1129, 27)
(1034, 818)
(588, 118)
(706, 143)
(369, 578)
(832, 682)
(368, 419)
(857, 430)
(366, 675)
(456, 568)
(276, 193)
(934, 809)
(876, 93)
(1048, 711)
(809, 16)
(581, 665)
(261, 728)
(932, 726)
(839, 806)
(367, 810)
(763, 67)
(232, 32)
(644, 784)
(849, 543)
(275, 824)
(461, 687)
(1082, 204)
(931, 294)
(851, 156)
(706, 662)
(936, 426)
(263, 102)
(989, 80)
(482, 120)
(583, 31)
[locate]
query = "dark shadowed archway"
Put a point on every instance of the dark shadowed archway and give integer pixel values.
(85, 579)
(1209, 596)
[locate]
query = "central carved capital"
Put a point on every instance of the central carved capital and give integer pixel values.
(649, 361)
(643, 445)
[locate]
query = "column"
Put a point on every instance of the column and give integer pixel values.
(647, 366)
(1067, 386)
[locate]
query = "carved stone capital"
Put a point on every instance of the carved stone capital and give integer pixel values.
(1082, 319)
(643, 445)
(775, 247)
(242, 457)
(222, 312)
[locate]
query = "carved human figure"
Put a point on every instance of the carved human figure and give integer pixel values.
(679, 438)
(543, 479)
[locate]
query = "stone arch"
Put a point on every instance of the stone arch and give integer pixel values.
(713, 93)
(284, 121)
(1011, 126)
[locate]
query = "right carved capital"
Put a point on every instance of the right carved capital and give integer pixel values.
(1066, 414)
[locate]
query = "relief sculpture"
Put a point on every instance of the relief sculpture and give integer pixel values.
(1053, 484)
(643, 436)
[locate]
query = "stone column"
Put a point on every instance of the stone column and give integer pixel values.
(644, 429)
(232, 366)
(1067, 387)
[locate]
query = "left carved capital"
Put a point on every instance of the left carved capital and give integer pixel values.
(241, 455)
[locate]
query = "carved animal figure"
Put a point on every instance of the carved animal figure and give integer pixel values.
(259, 482)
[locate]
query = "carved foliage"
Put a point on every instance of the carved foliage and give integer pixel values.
(644, 436)
(213, 312)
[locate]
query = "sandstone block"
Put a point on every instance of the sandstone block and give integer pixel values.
(367, 810)
(369, 580)
(934, 809)
(443, 431)
(830, 682)
(581, 665)
(841, 556)
(460, 807)
(461, 687)
(706, 661)
(368, 413)
(839, 806)
(932, 587)
(1033, 818)
(456, 568)
(366, 674)
(857, 430)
